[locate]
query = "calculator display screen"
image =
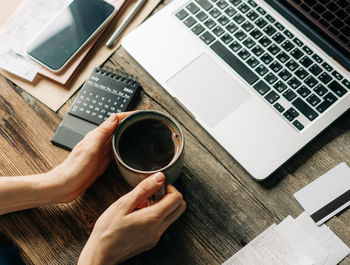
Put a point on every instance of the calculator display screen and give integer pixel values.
(68, 32)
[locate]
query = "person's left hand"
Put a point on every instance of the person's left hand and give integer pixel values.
(87, 161)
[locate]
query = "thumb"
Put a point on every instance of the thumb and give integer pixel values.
(144, 190)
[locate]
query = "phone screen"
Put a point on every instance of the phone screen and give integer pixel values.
(63, 37)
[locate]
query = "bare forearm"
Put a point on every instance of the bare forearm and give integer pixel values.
(24, 192)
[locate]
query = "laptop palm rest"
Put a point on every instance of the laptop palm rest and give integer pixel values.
(208, 90)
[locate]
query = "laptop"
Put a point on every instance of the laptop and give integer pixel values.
(263, 77)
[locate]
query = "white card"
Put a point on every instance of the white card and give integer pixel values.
(327, 195)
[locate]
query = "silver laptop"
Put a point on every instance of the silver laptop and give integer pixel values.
(262, 77)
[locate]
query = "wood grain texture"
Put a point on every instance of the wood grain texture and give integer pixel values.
(226, 208)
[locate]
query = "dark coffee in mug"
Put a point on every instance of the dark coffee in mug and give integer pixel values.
(148, 144)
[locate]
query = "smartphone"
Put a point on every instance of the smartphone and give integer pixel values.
(68, 32)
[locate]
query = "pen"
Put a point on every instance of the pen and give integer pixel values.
(122, 26)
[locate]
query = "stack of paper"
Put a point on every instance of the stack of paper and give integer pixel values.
(293, 242)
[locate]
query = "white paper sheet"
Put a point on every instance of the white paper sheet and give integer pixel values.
(29, 19)
(301, 242)
(335, 246)
(269, 248)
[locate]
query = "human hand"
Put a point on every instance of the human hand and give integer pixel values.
(87, 161)
(122, 232)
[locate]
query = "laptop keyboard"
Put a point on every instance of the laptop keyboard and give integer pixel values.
(294, 80)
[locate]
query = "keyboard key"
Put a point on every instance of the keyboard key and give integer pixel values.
(270, 18)
(253, 62)
(301, 73)
(265, 41)
(247, 26)
(305, 109)
(315, 70)
(313, 100)
(274, 49)
(306, 61)
(235, 46)
(223, 20)
(303, 91)
(278, 37)
(226, 38)
(317, 58)
(202, 16)
(205, 4)
(298, 42)
(252, 15)
(285, 74)
(269, 30)
(279, 107)
(279, 26)
(256, 34)
(288, 34)
(283, 57)
(218, 31)
(207, 37)
(275, 66)
(261, 23)
(270, 78)
(266, 58)
(252, 3)
(215, 12)
(292, 65)
(238, 18)
(189, 22)
(181, 14)
(231, 27)
(240, 35)
(235, 2)
(261, 70)
(328, 100)
(337, 75)
(261, 11)
(325, 78)
(321, 90)
(221, 4)
(198, 29)
(296, 53)
(257, 50)
(244, 8)
(244, 54)
(261, 87)
(327, 67)
(307, 50)
(346, 83)
(294, 83)
(272, 97)
(291, 114)
(230, 11)
(310, 81)
(234, 63)
(279, 86)
(289, 95)
(249, 43)
(337, 88)
(298, 125)
(287, 45)
(192, 8)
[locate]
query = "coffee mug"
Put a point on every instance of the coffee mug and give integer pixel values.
(146, 142)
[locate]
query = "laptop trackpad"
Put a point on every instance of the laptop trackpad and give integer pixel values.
(207, 90)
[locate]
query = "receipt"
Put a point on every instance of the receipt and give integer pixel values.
(28, 20)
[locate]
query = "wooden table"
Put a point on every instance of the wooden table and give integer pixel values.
(226, 208)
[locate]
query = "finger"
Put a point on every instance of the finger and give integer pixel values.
(168, 204)
(143, 191)
(171, 218)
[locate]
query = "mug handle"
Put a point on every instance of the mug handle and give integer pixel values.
(158, 195)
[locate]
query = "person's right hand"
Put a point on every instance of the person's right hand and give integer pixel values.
(122, 232)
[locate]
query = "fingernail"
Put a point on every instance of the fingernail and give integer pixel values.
(159, 177)
(113, 117)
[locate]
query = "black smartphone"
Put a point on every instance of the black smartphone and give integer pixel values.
(68, 32)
